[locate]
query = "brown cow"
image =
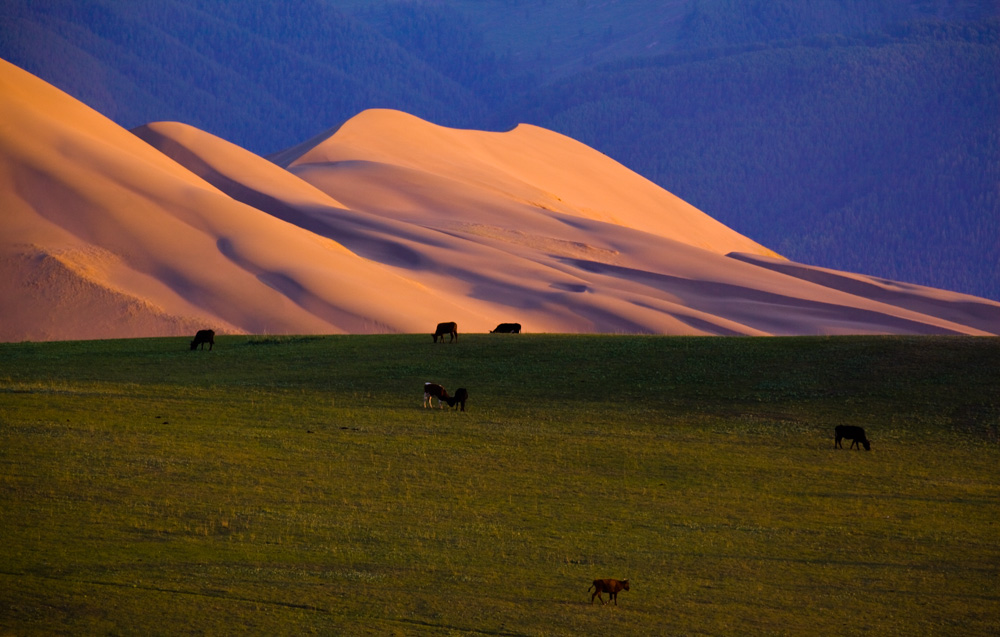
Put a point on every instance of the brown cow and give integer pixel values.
(446, 328)
(432, 391)
(609, 586)
(202, 337)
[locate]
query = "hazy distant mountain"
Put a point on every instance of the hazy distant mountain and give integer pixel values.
(387, 224)
(854, 134)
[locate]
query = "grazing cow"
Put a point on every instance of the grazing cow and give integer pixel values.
(446, 328)
(609, 586)
(461, 395)
(855, 434)
(202, 337)
(507, 328)
(432, 391)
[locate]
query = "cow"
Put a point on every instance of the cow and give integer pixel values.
(609, 586)
(507, 328)
(855, 434)
(461, 395)
(432, 391)
(446, 328)
(202, 337)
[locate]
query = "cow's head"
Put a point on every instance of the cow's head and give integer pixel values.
(625, 584)
(868, 445)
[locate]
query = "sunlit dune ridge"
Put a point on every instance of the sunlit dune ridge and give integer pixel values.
(386, 224)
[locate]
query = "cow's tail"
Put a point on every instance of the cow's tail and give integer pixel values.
(592, 586)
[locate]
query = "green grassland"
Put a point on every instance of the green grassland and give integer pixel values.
(295, 485)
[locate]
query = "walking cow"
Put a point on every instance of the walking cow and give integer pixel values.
(609, 586)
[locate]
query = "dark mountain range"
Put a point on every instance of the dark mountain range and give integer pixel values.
(875, 153)
(860, 135)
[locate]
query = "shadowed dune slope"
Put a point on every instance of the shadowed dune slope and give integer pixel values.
(386, 224)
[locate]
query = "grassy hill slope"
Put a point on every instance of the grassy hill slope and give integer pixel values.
(290, 485)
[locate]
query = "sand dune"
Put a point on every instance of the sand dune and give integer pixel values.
(386, 224)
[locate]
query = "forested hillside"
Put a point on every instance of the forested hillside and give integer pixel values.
(872, 153)
(262, 75)
(854, 134)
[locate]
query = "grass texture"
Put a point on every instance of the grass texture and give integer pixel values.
(295, 485)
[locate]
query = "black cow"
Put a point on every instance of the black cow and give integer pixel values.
(446, 328)
(855, 434)
(507, 328)
(202, 337)
(432, 391)
(461, 395)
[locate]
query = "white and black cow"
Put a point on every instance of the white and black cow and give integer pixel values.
(432, 391)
